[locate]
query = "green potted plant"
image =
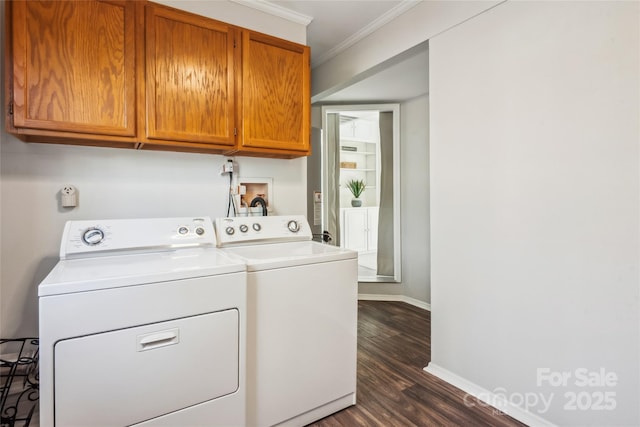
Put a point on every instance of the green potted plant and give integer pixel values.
(356, 186)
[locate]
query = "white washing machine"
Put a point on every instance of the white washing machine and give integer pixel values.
(301, 319)
(142, 322)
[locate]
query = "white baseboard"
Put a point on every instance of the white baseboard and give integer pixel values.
(402, 298)
(488, 397)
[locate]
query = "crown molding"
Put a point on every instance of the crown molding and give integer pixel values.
(393, 13)
(274, 9)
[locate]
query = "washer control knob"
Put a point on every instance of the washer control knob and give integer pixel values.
(244, 228)
(293, 226)
(199, 231)
(183, 230)
(93, 236)
(230, 230)
(256, 226)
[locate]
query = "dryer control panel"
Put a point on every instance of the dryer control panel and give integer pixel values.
(105, 237)
(262, 229)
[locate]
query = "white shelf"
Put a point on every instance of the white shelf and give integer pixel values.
(360, 135)
(353, 139)
(359, 153)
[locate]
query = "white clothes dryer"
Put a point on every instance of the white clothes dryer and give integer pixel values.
(142, 322)
(301, 319)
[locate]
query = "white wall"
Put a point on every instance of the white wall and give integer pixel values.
(242, 16)
(114, 183)
(535, 130)
(415, 26)
(373, 53)
(414, 207)
(414, 134)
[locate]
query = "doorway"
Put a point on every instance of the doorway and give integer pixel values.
(361, 181)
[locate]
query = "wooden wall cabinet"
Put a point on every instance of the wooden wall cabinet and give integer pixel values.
(142, 75)
(189, 81)
(276, 96)
(72, 75)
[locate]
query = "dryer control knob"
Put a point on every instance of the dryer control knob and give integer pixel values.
(256, 226)
(93, 236)
(244, 228)
(293, 226)
(199, 231)
(230, 230)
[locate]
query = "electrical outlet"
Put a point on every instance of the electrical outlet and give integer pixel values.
(227, 167)
(69, 196)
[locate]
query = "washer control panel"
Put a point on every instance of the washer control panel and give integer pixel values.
(262, 229)
(92, 238)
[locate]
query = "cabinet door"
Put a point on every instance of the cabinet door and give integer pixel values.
(276, 95)
(73, 67)
(190, 88)
(355, 229)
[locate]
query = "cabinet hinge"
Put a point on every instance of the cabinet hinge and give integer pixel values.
(235, 131)
(11, 108)
(234, 43)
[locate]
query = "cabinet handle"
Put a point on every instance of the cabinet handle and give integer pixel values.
(158, 339)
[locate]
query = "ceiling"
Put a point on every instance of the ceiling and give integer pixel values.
(335, 25)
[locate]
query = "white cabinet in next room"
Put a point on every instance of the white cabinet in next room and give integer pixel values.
(359, 228)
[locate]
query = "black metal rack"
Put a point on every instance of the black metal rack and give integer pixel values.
(19, 380)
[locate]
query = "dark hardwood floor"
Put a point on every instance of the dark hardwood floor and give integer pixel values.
(394, 346)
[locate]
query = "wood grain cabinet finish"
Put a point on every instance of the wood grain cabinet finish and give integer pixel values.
(190, 86)
(142, 75)
(73, 70)
(276, 96)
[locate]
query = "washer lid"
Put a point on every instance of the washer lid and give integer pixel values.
(88, 274)
(279, 255)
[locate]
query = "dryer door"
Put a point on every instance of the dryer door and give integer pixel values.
(131, 375)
